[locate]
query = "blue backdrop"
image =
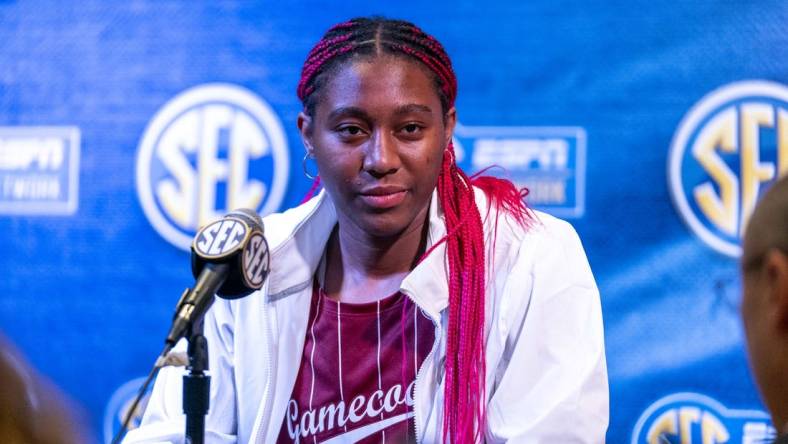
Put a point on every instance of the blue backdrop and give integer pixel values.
(651, 126)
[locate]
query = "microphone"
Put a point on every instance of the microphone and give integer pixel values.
(230, 259)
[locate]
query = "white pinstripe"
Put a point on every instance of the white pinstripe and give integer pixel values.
(339, 339)
(380, 381)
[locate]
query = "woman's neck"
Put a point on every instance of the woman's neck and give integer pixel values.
(362, 268)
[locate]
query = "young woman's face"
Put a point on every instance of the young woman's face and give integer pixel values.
(378, 134)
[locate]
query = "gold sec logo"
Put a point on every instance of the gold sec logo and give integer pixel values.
(696, 418)
(726, 151)
(210, 149)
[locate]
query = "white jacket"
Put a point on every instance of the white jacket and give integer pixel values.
(546, 373)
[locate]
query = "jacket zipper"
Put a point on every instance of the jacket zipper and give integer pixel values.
(438, 334)
(267, 392)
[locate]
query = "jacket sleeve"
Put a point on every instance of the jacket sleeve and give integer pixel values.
(164, 420)
(551, 384)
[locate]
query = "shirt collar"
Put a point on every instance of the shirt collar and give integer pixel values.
(294, 261)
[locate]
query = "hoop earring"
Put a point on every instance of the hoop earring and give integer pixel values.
(306, 172)
(450, 152)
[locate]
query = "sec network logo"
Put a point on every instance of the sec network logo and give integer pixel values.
(39, 170)
(549, 161)
(211, 149)
(727, 149)
(686, 418)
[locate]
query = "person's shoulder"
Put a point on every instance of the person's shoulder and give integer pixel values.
(537, 235)
(549, 235)
(281, 226)
(551, 227)
(532, 227)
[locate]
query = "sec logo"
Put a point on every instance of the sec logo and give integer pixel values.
(210, 149)
(256, 262)
(696, 418)
(727, 149)
(221, 238)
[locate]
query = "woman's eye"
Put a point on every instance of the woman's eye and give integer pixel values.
(411, 128)
(349, 130)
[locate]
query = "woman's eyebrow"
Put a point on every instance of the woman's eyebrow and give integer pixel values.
(350, 111)
(413, 108)
(354, 111)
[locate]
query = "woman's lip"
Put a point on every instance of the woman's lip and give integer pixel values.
(387, 200)
(378, 190)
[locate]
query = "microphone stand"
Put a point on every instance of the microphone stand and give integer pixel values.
(196, 386)
(188, 322)
(212, 271)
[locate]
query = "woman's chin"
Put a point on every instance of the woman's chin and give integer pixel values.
(381, 225)
(383, 229)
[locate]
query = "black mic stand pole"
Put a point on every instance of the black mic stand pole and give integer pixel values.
(196, 386)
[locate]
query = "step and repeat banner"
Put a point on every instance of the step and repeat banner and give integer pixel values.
(653, 127)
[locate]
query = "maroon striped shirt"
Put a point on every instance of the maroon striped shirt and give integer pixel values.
(357, 373)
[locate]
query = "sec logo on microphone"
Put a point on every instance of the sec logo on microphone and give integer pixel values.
(255, 262)
(212, 148)
(726, 151)
(221, 238)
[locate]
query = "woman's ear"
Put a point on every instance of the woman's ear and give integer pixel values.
(304, 123)
(450, 120)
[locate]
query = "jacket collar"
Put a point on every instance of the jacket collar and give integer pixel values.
(295, 259)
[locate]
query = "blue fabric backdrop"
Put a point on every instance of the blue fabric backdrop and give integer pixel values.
(588, 103)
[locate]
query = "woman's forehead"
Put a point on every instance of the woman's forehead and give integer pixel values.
(381, 80)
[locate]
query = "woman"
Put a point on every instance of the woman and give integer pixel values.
(406, 301)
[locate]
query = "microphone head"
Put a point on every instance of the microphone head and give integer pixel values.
(237, 240)
(251, 216)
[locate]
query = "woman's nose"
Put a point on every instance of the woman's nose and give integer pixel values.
(382, 155)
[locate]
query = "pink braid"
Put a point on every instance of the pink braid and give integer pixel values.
(464, 396)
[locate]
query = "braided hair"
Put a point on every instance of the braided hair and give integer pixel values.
(464, 395)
